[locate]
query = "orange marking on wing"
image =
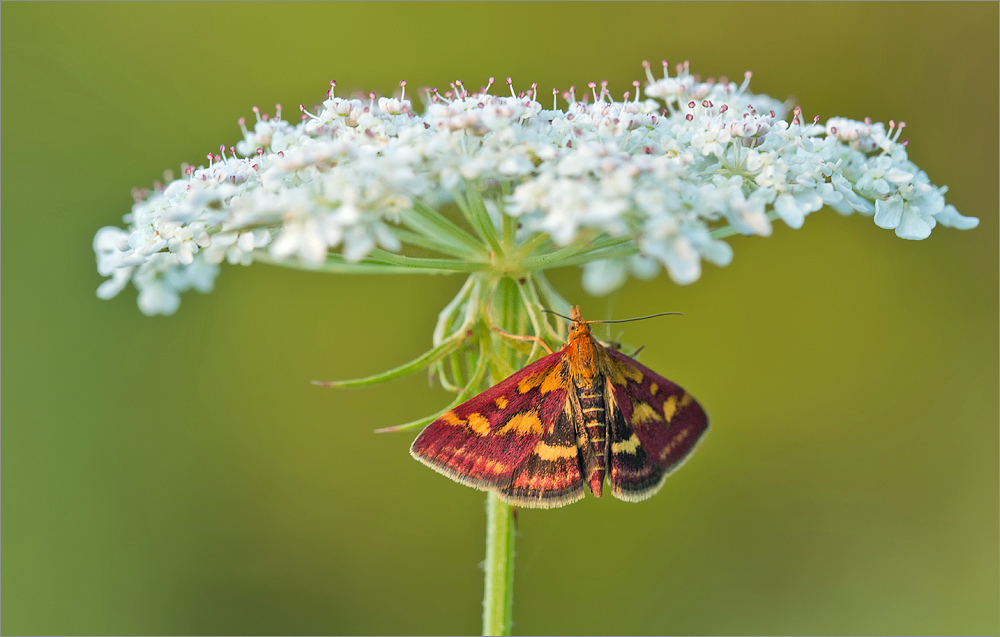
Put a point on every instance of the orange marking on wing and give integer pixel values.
(495, 467)
(524, 423)
(501, 402)
(479, 425)
(451, 419)
(553, 380)
(620, 372)
(642, 413)
(530, 382)
(613, 372)
(546, 452)
(547, 482)
(631, 373)
(670, 408)
(627, 446)
(686, 399)
(654, 388)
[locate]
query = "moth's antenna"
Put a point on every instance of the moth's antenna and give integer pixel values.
(641, 318)
(557, 314)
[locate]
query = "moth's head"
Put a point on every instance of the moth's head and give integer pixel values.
(578, 327)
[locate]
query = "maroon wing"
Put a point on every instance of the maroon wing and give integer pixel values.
(653, 424)
(485, 441)
(550, 476)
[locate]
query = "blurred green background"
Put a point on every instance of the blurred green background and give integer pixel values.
(181, 475)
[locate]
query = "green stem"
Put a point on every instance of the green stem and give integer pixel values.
(477, 377)
(532, 244)
(617, 252)
(509, 223)
(498, 586)
(553, 299)
(420, 241)
(427, 358)
(475, 212)
(336, 264)
(429, 222)
(532, 304)
(450, 312)
(498, 598)
(557, 258)
(454, 265)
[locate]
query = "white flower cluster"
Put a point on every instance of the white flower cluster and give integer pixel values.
(661, 174)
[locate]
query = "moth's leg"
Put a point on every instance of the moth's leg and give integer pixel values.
(636, 352)
(535, 339)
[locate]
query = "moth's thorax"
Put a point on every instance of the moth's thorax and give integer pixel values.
(585, 358)
(582, 353)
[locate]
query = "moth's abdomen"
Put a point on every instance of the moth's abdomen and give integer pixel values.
(594, 420)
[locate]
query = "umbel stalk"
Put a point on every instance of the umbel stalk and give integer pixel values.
(498, 591)
(498, 581)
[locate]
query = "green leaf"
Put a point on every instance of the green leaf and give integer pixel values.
(479, 217)
(430, 223)
(533, 243)
(435, 244)
(416, 364)
(563, 256)
(501, 369)
(509, 223)
(470, 388)
(616, 252)
(336, 264)
(452, 265)
(421, 422)
(554, 300)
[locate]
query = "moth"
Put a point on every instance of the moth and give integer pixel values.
(567, 420)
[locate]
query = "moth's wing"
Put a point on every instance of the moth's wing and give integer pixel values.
(550, 476)
(653, 425)
(485, 440)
